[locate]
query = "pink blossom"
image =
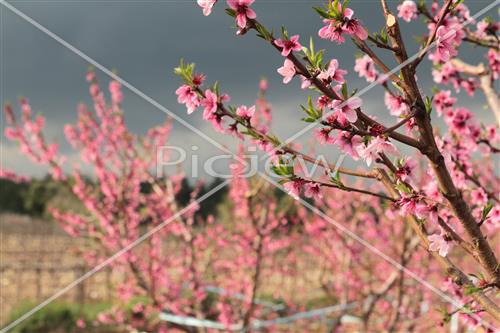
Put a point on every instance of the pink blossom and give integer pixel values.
(245, 113)
(332, 31)
(306, 83)
(407, 205)
(80, 323)
(482, 26)
(443, 101)
(365, 67)
(440, 243)
(294, 187)
(243, 12)
(461, 120)
(90, 77)
(210, 104)
(12, 176)
(186, 95)
(378, 145)
(444, 74)
(494, 60)
(312, 190)
(289, 45)
(353, 26)
(494, 216)
(206, 5)
(406, 172)
(479, 197)
(348, 109)
(396, 104)
(287, 71)
(333, 72)
(408, 10)
(349, 143)
(429, 212)
(323, 136)
(335, 28)
(444, 44)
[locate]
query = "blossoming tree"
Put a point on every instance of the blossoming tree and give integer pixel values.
(376, 240)
(456, 211)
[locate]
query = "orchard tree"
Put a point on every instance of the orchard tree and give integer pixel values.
(455, 210)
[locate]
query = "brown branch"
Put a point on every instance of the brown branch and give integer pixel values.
(455, 273)
(350, 189)
(486, 82)
(380, 44)
(366, 49)
(432, 36)
(429, 148)
(330, 167)
(330, 93)
(399, 124)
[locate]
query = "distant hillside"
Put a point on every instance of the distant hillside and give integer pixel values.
(34, 197)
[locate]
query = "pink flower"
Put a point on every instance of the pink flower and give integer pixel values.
(479, 197)
(288, 71)
(406, 171)
(186, 95)
(440, 243)
(406, 205)
(396, 105)
(80, 323)
(353, 26)
(482, 26)
(429, 212)
(494, 216)
(333, 73)
(494, 60)
(348, 109)
(378, 145)
(245, 113)
(289, 45)
(445, 73)
(294, 187)
(306, 83)
(365, 67)
(443, 101)
(444, 44)
(210, 104)
(332, 31)
(344, 25)
(242, 11)
(116, 92)
(407, 10)
(349, 143)
(323, 136)
(312, 190)
(206, 5)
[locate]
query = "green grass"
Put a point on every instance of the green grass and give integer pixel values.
(57, 316)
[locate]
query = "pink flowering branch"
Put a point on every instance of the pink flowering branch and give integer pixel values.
(426, 144)
(487, 83)
(444, 11)
(429, 149)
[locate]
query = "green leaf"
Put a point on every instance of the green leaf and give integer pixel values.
(401, 187)
(231, 12)
(486, 210)
(344, 90)
(323, 13)
(428, 104)
(469, 290)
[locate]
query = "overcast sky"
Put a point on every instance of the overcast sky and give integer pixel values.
(144, 40)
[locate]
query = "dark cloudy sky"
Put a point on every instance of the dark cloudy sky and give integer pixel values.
(144, 40)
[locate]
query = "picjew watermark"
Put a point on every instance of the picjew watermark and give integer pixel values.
(252, 162)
